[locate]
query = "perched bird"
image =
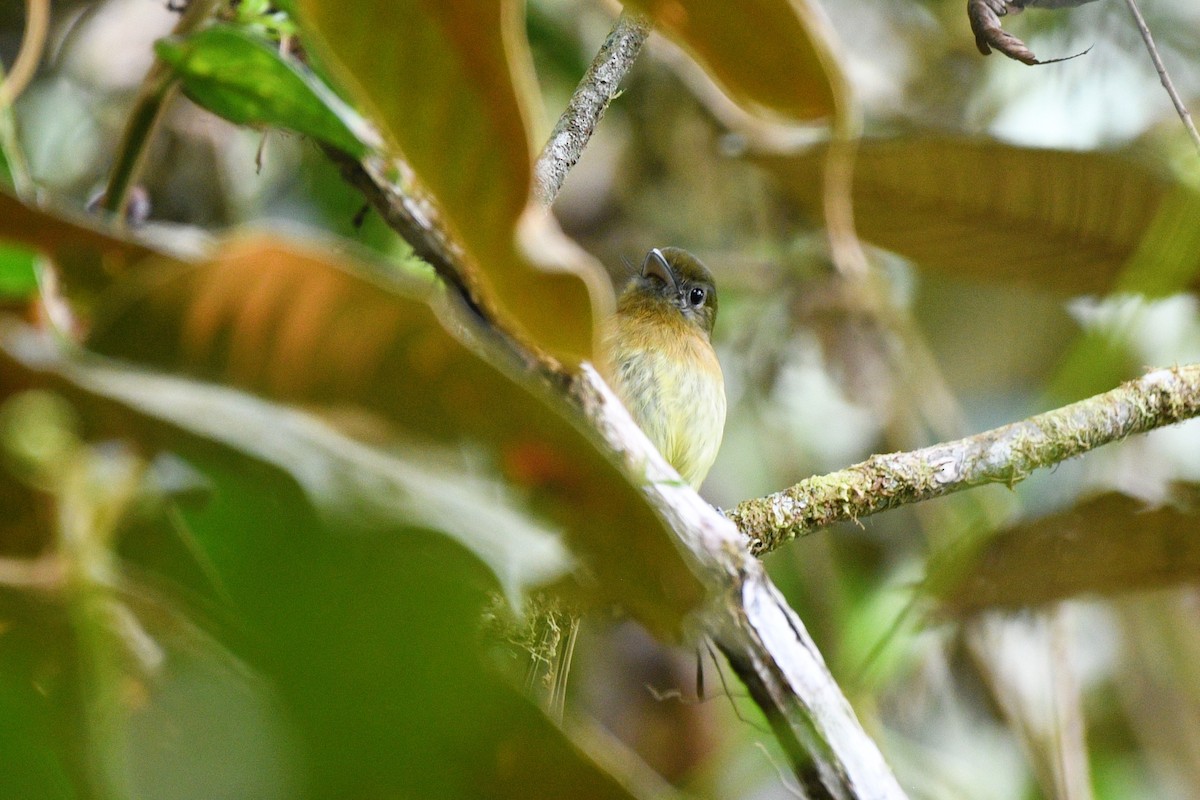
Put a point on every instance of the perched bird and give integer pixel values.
(661, 361)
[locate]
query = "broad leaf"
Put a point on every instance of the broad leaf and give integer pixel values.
(769, 55)
(1109, 544)
(368, 628)
(1066, 221)
(450, 84)
(244, 80)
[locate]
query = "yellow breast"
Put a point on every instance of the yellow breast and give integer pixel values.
(668, 376)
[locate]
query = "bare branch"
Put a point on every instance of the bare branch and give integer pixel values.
(1163, 76)
(593, 94)
(1002, 455)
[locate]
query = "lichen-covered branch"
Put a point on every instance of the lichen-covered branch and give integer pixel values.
(1003, 455)
(595, 91)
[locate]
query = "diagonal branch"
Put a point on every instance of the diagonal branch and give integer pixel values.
(589, 102)
(747, 617)
(750, 621)
(1002, 455)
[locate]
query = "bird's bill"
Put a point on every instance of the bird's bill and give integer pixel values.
(656, 266)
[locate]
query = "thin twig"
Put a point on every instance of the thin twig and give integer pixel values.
(1163, 76)
(589, 102)
(416, 223)
(1002, 455)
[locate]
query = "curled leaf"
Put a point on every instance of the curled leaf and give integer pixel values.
(985, 24)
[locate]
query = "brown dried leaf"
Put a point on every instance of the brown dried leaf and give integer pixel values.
(451, 86)
(985, 24)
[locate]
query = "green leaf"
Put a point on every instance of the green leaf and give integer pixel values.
(360, 618)
(30, 738)
(769, 55)
(450, 85)
(351, 487)
(241, 78)
(18, 278)
(1061, 220)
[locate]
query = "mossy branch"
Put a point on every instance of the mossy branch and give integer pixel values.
(1002, 455)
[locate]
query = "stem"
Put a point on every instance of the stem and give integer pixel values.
(1002, 455)
(14, 156)
(589, 102)
(845, 248)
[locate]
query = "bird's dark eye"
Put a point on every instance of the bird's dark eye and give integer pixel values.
(696, 296)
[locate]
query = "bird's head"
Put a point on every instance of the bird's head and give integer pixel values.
(676, 281)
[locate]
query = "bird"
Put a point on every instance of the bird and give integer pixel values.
(661, 362)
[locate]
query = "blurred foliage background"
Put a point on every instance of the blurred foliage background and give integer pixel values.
(1033, 238)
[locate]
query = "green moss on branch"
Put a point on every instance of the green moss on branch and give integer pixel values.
(1003, 455)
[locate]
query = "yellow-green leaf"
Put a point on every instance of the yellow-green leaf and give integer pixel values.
(767, 54)
(449, 85)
